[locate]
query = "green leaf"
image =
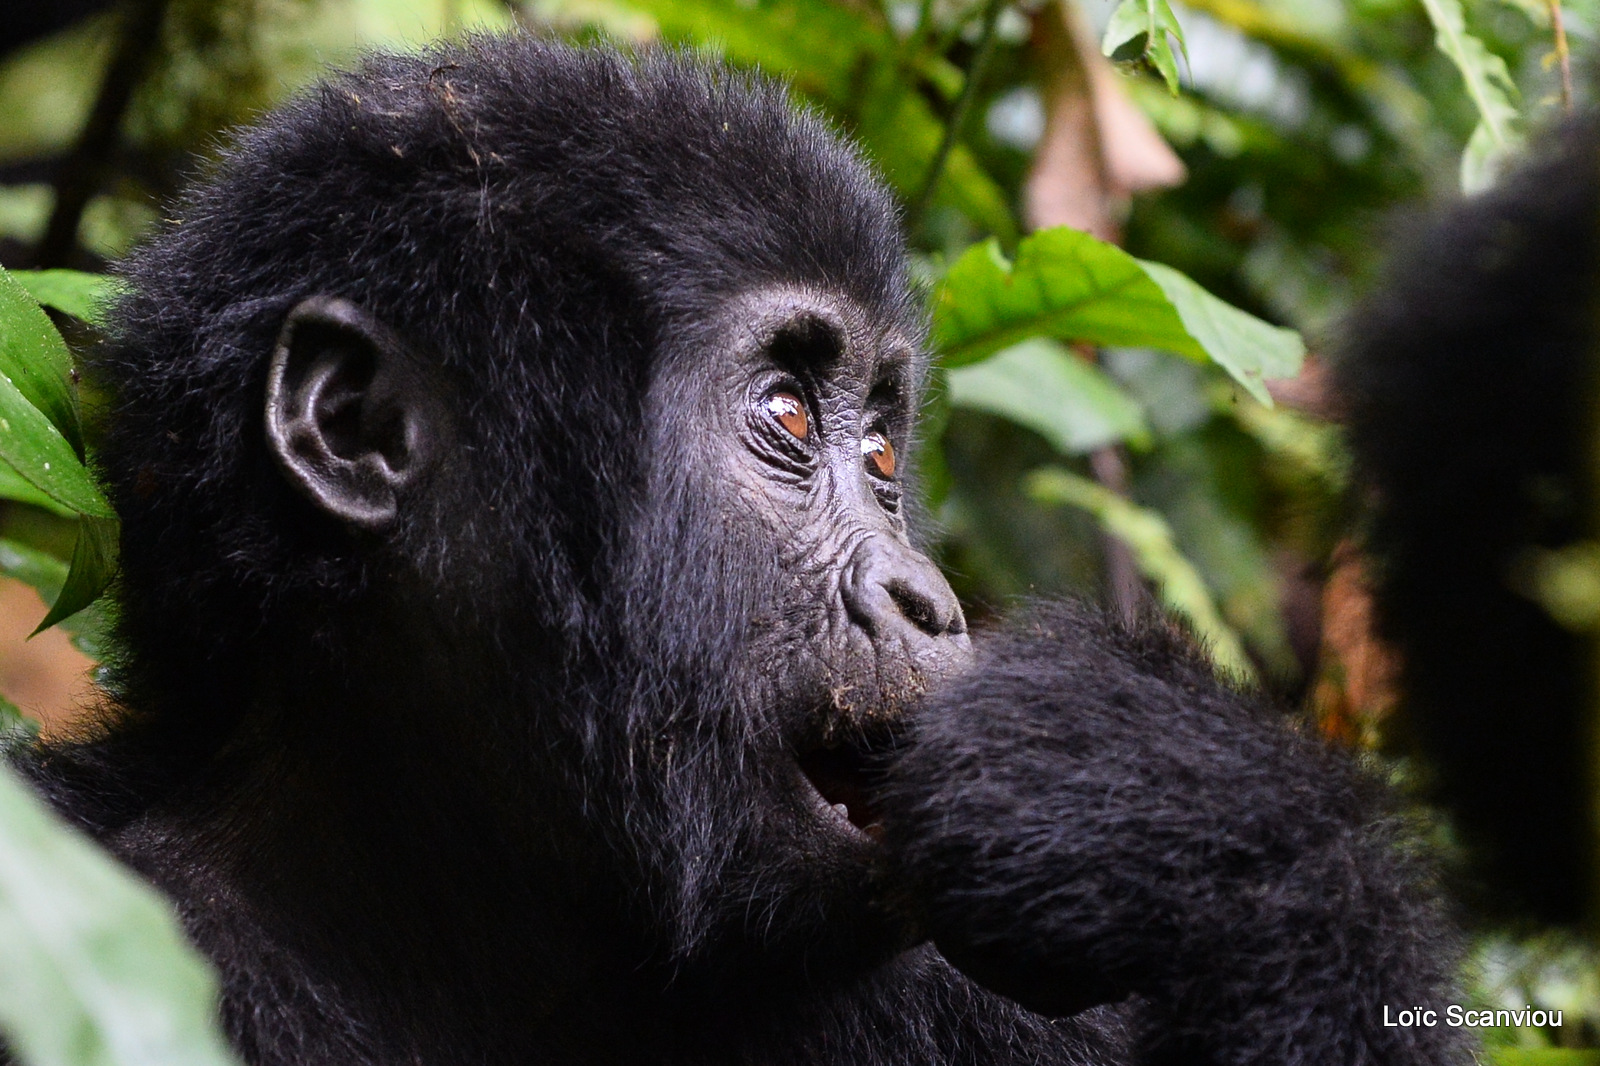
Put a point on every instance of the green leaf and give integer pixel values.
(1072, 287)
(38, 569)
(94, 563)
(44, 458)
(1069, 401)
(13, 486)
(74, 292)
(36, 364)
(1484, 159)
(1149, 538)
(91, 628)
(39, 433)
(95, 970)
(1511, 1056)
(48, 575)
(1250, 350)
(1138, 30)
(1490, 87)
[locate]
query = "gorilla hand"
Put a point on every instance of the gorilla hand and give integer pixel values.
(1090, 813)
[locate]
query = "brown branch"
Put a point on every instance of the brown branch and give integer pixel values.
(84, 170)
(1124, 586)
(1096, 151)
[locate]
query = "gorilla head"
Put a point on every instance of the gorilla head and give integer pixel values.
(511, 444)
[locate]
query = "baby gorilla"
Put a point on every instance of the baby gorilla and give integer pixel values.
(518, 585)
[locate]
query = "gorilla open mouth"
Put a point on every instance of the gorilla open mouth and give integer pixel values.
(845, 771)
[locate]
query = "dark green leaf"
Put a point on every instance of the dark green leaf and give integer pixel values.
(819, 43)
(903, 135)
(95, 970)
(43, 457)
(94, 563)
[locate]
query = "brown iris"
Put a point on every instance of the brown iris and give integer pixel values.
(879, 454)
(789, 412)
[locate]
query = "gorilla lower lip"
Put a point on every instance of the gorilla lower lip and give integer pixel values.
(843, 776)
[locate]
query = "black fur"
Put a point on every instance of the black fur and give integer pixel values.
(1468, 380)
(1089, 814)
(513, 778)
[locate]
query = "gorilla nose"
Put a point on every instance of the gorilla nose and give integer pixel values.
(890, 588)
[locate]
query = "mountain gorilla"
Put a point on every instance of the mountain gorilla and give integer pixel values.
(518, 585)
(1468, 386)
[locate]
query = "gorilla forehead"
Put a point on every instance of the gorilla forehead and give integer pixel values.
(524, 175)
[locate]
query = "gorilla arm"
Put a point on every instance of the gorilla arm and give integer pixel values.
(1089, 814)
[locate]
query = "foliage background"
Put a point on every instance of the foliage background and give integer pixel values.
(1298, 131)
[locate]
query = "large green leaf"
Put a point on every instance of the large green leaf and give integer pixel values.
(1072, 403)
(88, 625)
(1149, 537)
(1070, 286)
(72, 291)
(36, 364)
(1515, 1056)
(95, 970)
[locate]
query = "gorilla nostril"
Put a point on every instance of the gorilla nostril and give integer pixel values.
(935, 615)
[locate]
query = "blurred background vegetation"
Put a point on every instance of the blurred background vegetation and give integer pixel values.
(1262, 147)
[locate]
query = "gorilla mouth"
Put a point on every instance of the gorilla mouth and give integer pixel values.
(844, 772)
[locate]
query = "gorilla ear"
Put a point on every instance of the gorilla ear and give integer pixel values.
(350, 416)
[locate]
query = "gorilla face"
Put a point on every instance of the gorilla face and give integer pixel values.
(777, 496)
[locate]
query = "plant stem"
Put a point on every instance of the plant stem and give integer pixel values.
(1563, 56)
(958, 115)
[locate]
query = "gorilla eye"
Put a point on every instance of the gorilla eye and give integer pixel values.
(789, 412)
(879, 455)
